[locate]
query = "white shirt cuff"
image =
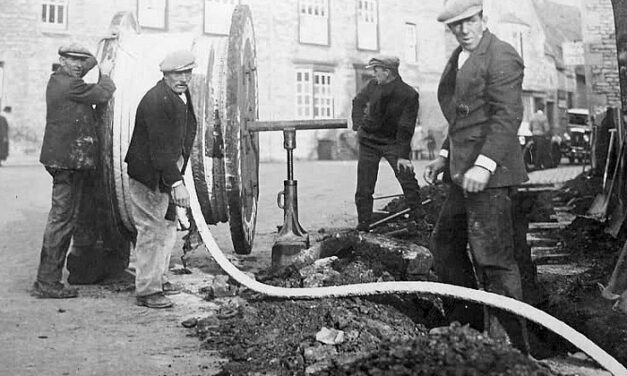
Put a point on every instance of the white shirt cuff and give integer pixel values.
(177, 183)
(443, 153)
(485, 162)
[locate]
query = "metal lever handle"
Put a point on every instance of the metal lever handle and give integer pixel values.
(280, 200)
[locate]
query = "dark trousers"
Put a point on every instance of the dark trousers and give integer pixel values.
(543, 157)
(484, 221)
(370, 154)
(68, 191)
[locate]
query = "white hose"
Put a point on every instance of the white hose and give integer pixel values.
(498, 301)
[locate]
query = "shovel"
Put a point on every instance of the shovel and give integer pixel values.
(598, 209)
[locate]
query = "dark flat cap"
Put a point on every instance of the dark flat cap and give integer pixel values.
(177, 61)
(75, 50)
(385, 61)
(455, 10)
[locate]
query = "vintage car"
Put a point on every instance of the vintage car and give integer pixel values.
(575, 140)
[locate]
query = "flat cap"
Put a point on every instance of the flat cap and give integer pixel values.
(455, 10)
(385, 61)
(75, 50)
(177, 61)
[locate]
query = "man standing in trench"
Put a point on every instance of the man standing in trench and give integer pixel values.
(384, 115)
(69, 153)
(480, 94)
(165, 127)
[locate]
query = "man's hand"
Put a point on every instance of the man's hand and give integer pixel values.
(404, 166)
(106, 67)
(180, 196)
(434, 169)
(475, 179)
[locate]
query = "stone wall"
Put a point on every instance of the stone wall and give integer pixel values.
(600, 49)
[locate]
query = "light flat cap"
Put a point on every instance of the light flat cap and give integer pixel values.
(455, 10)
(385, 61)
(75, 50)
(178, 61)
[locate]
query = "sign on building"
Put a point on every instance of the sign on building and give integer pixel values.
(573, 53)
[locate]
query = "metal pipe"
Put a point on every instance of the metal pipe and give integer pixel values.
(269, 126)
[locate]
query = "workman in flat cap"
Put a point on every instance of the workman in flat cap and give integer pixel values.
(165, 127)
(480, 94)
(384, 115)
(69, 153)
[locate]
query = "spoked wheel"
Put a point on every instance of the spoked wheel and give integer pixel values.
(241, 146)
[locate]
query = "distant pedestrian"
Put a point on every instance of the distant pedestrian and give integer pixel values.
(69, 153)
(4, 134)
(165, 128)
(541, 133)
(384, 115)
(430, 140)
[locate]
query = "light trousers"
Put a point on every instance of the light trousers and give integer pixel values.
(155, 238)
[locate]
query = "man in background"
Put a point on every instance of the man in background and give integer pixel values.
(384, 115)
(541, 133)
(4, 134)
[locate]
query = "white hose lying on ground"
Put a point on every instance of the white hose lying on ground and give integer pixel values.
(476, 296)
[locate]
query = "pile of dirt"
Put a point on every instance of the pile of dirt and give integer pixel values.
(406, 335)
(591, 253)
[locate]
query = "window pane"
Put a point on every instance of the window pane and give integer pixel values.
(60, 9)
(44, 8)
(51, 12)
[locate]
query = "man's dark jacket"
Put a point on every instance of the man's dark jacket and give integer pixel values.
(165, 128)
(387, 114)
(482, 102)
(70, 139)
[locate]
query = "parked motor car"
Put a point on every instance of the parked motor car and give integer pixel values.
(575, 144)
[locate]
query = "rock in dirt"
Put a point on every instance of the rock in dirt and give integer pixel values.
(330, 336)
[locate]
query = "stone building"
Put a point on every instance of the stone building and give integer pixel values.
(537, 30)
(600, 55)
(310, 55)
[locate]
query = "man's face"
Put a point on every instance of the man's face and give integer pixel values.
(382, 75)
(178, 81)
(469, 31)
(72, 65)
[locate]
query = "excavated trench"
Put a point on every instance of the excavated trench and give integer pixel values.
(384, 334)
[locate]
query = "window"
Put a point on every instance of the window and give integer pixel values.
(54, 13)
(218, 15)
(367, 25)
(314, 94)
(313, 22)
(152, 13)
(411, 43)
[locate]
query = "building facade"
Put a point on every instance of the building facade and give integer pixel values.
(310, 56)
(600, 55)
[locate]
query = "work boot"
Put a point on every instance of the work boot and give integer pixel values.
(157, 300)
(363, 226)
(55, 291)
(171, 288)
